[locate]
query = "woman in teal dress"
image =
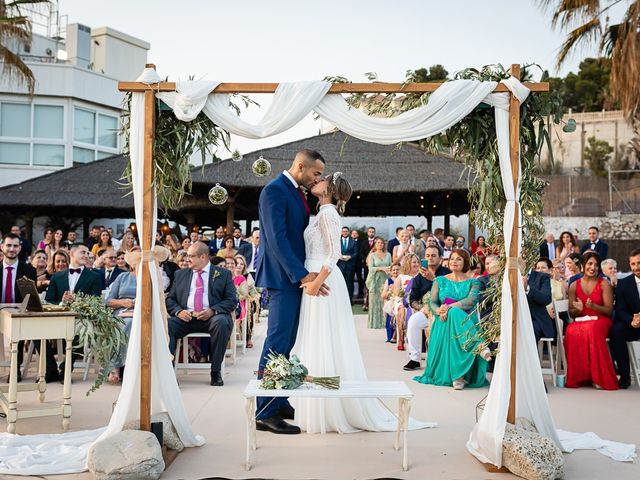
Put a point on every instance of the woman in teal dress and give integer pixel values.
(454, 358)
(379, 263)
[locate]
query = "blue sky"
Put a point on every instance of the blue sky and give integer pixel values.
(286, 40)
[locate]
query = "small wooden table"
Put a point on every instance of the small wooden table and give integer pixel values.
(17, 326)
(397, 390)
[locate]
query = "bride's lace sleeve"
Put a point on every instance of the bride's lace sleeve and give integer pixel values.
(329, 225)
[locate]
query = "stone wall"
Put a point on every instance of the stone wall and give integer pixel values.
(614, 227)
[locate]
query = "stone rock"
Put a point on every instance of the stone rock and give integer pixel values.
(530, 455)
(127, 455)
(169, 434)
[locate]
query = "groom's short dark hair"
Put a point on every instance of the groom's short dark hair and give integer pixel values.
(312, 154)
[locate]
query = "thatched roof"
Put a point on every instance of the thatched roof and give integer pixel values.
(387, 181)
(370, 167)
(74, 191)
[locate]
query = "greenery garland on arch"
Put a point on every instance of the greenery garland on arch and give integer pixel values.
(473, 142)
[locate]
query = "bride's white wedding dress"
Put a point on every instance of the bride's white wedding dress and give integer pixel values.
(327, 343)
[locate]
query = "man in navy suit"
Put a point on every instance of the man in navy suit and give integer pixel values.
(109, 271)
(538, 289)
(217, 243)
(626, 321)
(347, 262)
(11, 269)
(595, 244)
(284, 214)
(250, 251)
(394, 241)
(548, 247)
(201, 299)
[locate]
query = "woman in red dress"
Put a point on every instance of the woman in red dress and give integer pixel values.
(588, 358)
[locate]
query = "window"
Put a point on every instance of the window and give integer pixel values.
(84, 126)
(48, 121)
(51, 155)
(83, 155)
(107, 131)
(14, 153)
(15, 120)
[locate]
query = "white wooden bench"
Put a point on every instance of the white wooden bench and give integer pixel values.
(397, 390)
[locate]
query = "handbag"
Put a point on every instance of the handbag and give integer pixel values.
(387, 306)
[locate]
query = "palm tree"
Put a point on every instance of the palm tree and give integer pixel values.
(15, 28)
(588, 21)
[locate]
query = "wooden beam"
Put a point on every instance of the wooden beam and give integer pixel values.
(514, 274)
(147, 243)
(335, 88)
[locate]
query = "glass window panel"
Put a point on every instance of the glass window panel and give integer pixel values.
(48, 121)
(15, 153)
(105, 154)
(83, 155)
(15, 120)
(84, 126)
(107, 131)
(48, 155)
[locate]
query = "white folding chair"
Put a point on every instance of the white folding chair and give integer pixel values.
(548, 342)
(183, 345)
(633, 361)
(560, 306)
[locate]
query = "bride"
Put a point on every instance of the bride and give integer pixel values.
(327, 343)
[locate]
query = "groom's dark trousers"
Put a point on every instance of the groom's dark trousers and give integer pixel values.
(284, 316)
(283, 215)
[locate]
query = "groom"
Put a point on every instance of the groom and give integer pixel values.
(284, 214)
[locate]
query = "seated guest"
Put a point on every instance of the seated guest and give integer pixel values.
(401, 291)
(610, 270)
(181, 259)
(39, 262)
(121, 298)
(64, 285)
(453, 358)
(109, 271)
(201, 300)
(585, 342)
(418, 321)
(387, 305)
(626, 325)
(559, 287)
(595, 244)
(250, 251)
(548, 247)
(128, 242)
(12, 269)
(573, 267)
(227, 251)
(121, 263)
(538, 288)
(104, 242)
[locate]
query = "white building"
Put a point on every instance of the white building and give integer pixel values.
(74, 115)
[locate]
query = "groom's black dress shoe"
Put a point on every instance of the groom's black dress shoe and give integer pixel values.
(276, 424)
(216, 379)
(288, 413)
(622, 383)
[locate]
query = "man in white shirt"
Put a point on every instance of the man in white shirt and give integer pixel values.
(217, 243)
(448, 246)
(238, 241)
(548, 248)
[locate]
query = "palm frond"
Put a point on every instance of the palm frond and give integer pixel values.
(588, 32)
(15, 69)
(567, 12)
(625, 61)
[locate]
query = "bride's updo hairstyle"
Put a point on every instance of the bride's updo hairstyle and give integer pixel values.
(339, 189)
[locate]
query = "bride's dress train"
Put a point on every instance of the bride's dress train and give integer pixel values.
(327, 343)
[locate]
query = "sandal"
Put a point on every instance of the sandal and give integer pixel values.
(249, 344)
(114, 376)
(458, 384)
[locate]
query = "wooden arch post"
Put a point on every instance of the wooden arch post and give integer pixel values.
(341, 88)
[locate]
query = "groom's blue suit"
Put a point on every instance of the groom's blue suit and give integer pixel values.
(280, 267)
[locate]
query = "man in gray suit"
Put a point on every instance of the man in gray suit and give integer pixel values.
(201, 300)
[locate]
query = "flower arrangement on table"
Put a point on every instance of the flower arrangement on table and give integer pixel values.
(100, 331)
(282, 373)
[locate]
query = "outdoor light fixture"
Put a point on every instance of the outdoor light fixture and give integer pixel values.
(133, 227)
(358, 197)
(165, 229)
(195, 228)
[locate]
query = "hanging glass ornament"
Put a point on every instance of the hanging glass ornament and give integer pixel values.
(218, 195)
(236, 156)
(261, 167)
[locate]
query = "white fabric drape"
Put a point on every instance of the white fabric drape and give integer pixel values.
(165, 393)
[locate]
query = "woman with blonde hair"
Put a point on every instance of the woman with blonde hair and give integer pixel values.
(401, 290)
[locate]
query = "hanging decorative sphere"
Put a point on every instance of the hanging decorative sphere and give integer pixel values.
(236, 156)
(218, 195)
(261, 167)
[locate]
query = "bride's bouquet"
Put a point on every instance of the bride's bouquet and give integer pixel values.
(282, 373)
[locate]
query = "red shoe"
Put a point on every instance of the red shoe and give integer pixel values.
(401, 347)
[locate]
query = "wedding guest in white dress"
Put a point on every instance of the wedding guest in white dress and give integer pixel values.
(327, 342)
